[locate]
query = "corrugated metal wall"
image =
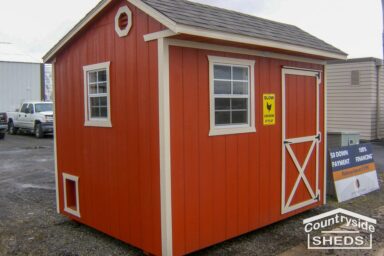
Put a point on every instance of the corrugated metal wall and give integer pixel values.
(18, 82)
(353, 107)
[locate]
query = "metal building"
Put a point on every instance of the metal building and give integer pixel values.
(355, 97)
(21, 77)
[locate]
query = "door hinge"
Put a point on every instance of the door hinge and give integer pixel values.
(318, 137)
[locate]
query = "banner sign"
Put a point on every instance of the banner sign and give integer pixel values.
(354, 171)
(269, 117)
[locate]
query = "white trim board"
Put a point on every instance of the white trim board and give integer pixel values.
(158, 35)
(182, 29)
(230, 49)
(55, 135)
(165, 148)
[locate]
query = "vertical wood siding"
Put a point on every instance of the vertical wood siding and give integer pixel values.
(223, 186)
(118, 167)
(352, 107)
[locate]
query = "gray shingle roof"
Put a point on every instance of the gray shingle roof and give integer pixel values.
(217, 19)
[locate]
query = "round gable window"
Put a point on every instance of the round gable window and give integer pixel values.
(123, 21)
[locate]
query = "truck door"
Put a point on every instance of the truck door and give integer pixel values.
(21, 116)
(29, 120)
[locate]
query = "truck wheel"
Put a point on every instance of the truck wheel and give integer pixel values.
(39, 131)
(2, 135)
(12, 129)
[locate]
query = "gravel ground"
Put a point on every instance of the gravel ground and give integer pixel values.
(29, 224)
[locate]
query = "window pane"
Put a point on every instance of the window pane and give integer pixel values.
(92, 77)
(240, 73)
(102, 76)
(104, 112)
(239, 117)
(95, 112)
(103, 88)
(222, 87)
(239, 104)
(222, 104)
(93, 89)
(240, 88)
(23, 108)
(222, 72)
(103, 101)
(222, 118)
(95, 102)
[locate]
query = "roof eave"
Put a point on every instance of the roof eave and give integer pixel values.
(182, 29)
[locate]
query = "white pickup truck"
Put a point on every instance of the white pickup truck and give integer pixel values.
(35, 117)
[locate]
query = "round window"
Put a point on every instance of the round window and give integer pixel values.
(123, 21)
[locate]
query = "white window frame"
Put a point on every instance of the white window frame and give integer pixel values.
(66, 208)
(96, 122)
(232, 129)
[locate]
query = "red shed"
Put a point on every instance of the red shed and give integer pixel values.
(181, 125)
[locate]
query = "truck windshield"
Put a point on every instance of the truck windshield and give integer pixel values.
(43, 107)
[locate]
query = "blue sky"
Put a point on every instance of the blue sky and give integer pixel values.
(354, 26)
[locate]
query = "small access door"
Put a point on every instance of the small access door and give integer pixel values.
(301, 138)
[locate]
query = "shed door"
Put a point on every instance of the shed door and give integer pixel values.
(301, 138)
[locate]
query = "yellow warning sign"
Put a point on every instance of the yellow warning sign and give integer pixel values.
(269, 116)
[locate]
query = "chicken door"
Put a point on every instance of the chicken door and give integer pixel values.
(301, 138)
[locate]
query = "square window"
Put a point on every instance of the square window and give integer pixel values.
(232, 96)
(97, 95)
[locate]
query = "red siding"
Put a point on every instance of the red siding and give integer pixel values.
(223, 186)
(118, 167)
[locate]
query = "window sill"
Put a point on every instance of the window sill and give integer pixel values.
(231, 131)
(93, 123)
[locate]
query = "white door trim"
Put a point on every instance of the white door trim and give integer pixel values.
(286, 206)
(165, 147)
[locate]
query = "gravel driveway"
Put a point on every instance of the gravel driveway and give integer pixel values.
(29, 224)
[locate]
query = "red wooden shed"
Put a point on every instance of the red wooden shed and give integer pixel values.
(181, 125)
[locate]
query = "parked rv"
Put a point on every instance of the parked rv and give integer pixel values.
(3, 125)
(34, 117)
